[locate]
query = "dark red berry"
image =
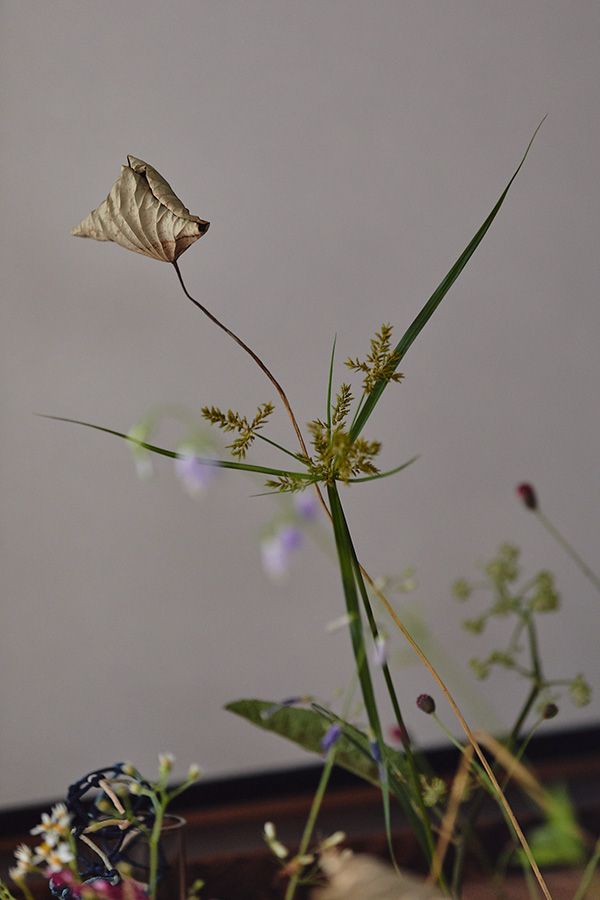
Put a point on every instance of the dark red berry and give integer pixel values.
(426, 703)
(528, 495)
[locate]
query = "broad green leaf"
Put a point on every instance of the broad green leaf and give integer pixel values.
(306, 728)
(142, 214)
(436, 298)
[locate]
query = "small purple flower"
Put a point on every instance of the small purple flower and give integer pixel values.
(307, 505)
(331, 737)
(375, 751)
(290, 537)
(289, 701)
(276, 551)
(194, 474)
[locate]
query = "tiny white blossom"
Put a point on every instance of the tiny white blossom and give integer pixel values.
(58, 857)
(55, 825)
(25, 862)
(193, 772)
(24, 855)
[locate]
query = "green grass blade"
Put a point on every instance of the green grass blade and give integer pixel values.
(296, 456)
(330, 384)
(219, 463)
(422, 827)
(436, 298)
(344, 549)
(384, 474)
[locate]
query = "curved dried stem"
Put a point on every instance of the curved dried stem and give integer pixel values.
(264, 368)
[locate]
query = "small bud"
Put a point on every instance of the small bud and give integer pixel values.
(165, 763)
(193, 772)
(550, 710)
(135, 789)
(426, 703)
(274, 845)
(528, 495)
(128, 768)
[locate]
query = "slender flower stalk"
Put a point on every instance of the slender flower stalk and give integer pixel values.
(530, 500)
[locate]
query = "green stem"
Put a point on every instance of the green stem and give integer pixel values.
(267, 440)
(24, 889)
(311, 820)
(569, 549)
(345, 556)
(153, 850)
(586, 878)
(410, 759)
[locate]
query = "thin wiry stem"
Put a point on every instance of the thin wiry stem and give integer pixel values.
(251, 353)
(568, 548)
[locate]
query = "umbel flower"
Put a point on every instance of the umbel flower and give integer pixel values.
(142, 214)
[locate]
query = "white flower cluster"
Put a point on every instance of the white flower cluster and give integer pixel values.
(54, 852)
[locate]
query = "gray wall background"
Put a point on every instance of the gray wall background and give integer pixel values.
(344, 152)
